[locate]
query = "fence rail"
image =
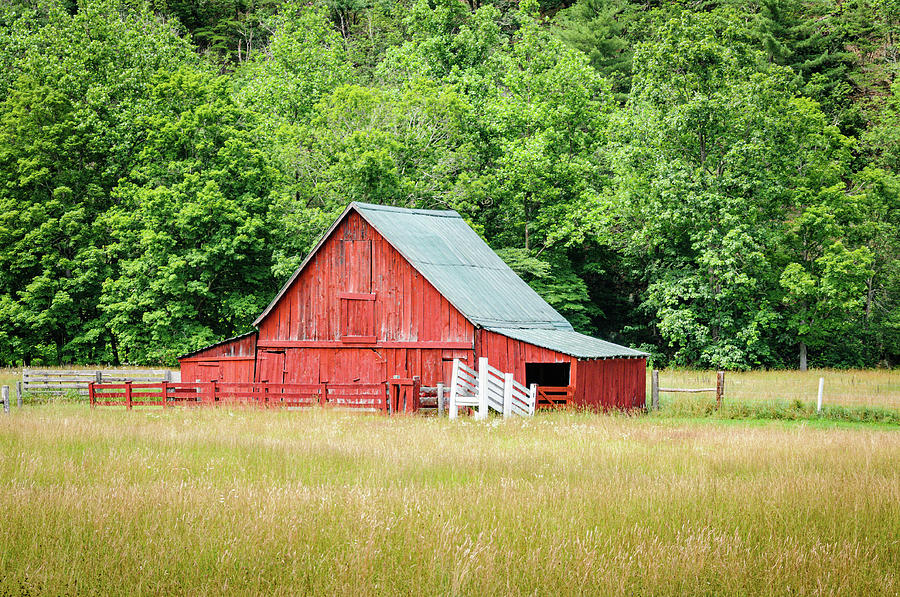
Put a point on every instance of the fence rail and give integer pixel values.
(655, 389)
(61, 381)
(372, 396)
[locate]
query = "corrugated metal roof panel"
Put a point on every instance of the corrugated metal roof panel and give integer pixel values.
(463, 268)
(569, 342)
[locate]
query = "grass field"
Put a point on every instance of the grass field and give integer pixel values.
(213, 501)
(853, 387)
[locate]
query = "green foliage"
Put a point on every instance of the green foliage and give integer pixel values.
(190, 230)
(715, 182)
(714, 152)
(66, 136)
(599, 28)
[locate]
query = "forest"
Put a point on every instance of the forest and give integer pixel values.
(715, 182)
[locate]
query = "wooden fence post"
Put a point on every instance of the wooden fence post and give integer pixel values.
(91, 396)
(532, 394)
(323, 394)
(415, 398)
(654, 390)
(720, 388)
(19, 394)
(128, 395)
(164, 390)
(5, 393)
(440, 400)
(819, 398)
(453, 413)
(99, 376)
(482, 388)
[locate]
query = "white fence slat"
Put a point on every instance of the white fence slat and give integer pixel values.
(454, 383)
(508, 396)
(482, 389)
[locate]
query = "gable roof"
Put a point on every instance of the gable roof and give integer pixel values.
(467, 272)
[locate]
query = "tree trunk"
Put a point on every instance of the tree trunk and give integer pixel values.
(803, 356)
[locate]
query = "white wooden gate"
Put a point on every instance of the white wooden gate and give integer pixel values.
(487, 388)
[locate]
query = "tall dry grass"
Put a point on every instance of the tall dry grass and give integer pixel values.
(217, 501)
(843, 387)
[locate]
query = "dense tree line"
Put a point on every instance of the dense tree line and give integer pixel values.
(716, 182)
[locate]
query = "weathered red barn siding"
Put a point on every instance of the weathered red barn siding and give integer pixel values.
(360, 312)
(598, 383)
(611, 383)
(510, 355)
(232, 360)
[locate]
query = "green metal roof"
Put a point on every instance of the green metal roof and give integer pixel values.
(464, 269)
(570, 343)
(467, 272)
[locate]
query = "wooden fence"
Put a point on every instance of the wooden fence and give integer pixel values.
(61, 381)
(655, 389)
(364, 396)
(488, 388)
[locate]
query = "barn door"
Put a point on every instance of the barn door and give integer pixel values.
(357, 270)
(208, 372)
(271, 366)
(357, 302)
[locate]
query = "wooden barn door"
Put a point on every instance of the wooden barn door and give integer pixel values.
(357, 270)
(208, 372)
(271, 366)
(357, 302)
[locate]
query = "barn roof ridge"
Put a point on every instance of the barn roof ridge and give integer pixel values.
(447, 252)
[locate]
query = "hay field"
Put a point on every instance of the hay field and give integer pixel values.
(843, 387)
(213, 501)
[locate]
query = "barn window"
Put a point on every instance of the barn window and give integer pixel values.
(547, 374)
(357, 317)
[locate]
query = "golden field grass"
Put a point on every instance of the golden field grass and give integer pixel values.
(843, 387)
(233, 501)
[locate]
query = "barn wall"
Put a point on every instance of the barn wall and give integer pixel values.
(396, 322)
(599, 383)
(228, 361)
(407, 308)
(611, 383)
(510, 355)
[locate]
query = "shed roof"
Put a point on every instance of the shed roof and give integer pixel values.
(467, 272)
(569, 342)
(215, 344)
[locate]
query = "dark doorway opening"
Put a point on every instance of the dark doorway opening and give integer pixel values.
(547, 374)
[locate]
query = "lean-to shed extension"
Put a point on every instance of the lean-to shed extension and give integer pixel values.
(402, 292)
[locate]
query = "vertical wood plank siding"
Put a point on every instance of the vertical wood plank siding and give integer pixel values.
(228, 361)
(357, 260)
(611, 383)
(599, 383)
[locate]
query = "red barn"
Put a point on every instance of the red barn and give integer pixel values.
(390, 292)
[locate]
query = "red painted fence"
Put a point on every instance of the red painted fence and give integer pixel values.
(372, 396)
(554, 397)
